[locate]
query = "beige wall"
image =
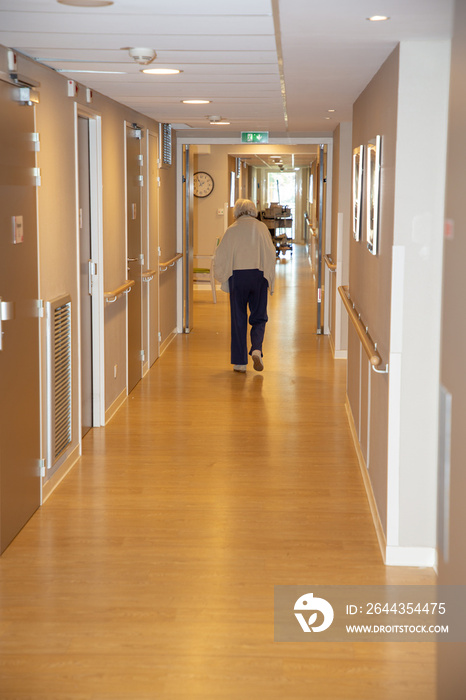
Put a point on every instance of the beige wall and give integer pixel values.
(374, 114)
(452, 513)
(208, 224)
(55, 116)
(398, 294)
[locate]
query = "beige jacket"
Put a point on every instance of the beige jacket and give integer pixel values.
(246, 245)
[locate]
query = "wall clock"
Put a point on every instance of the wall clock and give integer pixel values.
(203, 184)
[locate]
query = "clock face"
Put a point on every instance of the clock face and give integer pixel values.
(203, 184)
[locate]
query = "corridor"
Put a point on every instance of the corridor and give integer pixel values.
(150, 571)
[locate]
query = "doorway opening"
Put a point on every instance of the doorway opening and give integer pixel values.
(242, 169)
(281, 189)
(90, 267)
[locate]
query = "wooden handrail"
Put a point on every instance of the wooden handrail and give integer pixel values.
(332, 266)
(148, 274)
(368, 344)
(122, 289)
(172, 261)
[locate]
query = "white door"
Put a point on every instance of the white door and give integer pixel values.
(85, 269)
(153, 248)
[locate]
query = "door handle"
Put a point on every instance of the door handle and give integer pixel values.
(7, 313)
(131, 260)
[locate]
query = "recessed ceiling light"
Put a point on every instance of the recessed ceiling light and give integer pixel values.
(330, 110)
(100, 72)
(161, 71)
(221, 121)
(377, 18)
(86, 3)
(196, 102)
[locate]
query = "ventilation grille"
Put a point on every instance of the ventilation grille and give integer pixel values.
(166, 145)
(60, 378)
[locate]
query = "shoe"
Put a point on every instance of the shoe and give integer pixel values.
(239, 368)
(257, 359)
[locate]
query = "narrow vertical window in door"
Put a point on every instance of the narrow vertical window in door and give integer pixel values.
(85, 267)
(134, 248)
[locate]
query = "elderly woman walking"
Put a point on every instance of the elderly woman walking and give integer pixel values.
(245, 265)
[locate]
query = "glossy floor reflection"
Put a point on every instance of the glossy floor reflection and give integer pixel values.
(150, 571)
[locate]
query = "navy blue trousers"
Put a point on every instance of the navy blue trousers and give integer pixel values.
(247, 288)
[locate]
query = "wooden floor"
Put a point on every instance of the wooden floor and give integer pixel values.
(150, 571)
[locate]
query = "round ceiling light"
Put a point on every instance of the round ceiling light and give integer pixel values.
(378, 18)
(86, 3)
(196, 102)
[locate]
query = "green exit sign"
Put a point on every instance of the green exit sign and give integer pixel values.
(254, 137)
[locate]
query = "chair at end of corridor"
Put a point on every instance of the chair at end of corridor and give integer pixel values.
(206, 273)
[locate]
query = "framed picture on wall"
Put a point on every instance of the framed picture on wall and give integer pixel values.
(373, 193)
(358, 170)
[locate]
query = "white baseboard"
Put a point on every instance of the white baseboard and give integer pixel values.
(113, 408)
(411, 556)
(51, 484)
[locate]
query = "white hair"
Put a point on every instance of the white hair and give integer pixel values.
(244, 207)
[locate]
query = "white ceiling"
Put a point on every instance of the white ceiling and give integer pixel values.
(267, 65)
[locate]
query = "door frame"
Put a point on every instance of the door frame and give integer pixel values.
(136, 127)
(182, 141)
(151, 252)
(97, 245)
